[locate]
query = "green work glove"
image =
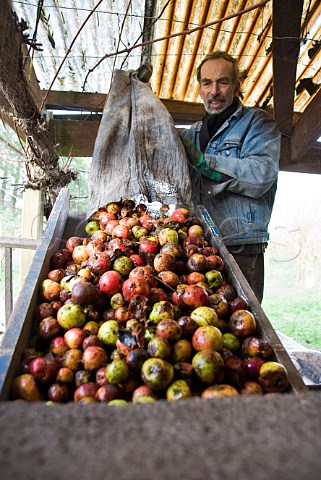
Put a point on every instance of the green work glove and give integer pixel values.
(197, 160)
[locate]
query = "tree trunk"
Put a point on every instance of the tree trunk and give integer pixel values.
(43, 170)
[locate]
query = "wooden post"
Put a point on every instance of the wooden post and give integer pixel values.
(32, 227)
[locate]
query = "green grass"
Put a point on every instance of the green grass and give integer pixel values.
(291, 308)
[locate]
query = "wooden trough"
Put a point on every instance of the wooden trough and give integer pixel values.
(63, 224)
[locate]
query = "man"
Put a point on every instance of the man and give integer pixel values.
(234, 156)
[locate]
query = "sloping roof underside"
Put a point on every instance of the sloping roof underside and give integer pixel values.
(118, 25)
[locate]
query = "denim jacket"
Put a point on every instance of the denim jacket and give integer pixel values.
(246, 149)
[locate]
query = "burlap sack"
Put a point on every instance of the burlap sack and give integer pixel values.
(138, 153)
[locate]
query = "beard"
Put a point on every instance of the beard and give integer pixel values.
(215, 104)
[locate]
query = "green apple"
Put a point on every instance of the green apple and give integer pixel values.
(205, 316)
(92, 227)
(139, 231)
(159, 348)
(157, 373)
(231, 342)
(123, 265)
(117, 371)
(178, 390)
(167, 235)
(208, 366)
(117, 401)
(107, 332)
(71, 315)
(160, 311)
(214, 279)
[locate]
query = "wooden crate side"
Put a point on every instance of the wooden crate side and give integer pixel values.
(236, 278)
(19, 329)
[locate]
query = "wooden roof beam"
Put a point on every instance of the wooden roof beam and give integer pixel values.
(285, 50)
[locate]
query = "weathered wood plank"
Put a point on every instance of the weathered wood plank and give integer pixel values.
(13, 242)
(94, 102)
(74, 137)
(8, 282)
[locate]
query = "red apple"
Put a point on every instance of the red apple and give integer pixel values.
(65, 375)
(177, 296)
(219, 304)
(95, 246)
(195, 296)
(43, 369)
(252, 367)
(58, 392)
(169, 278)
(254, 346)
(137, 260)
(157, 294)
(108, 392)
(238, 303)
(146, 221)
(73, 242)
(173, 248)
(215, 262)
(169, 329)
(49, 328)
(56, 275)
(251, 388)
(58, 346)
(94, 357)
(195, 277)
(242, 323)
(92, 341)
(164, 262)
(217, 391)
(80, 254)
(180, 215)
(121, 231)
(197, 263)
(135, 286)
(110, 226)
(99, 263)
(110, 282)
(146, 245)
(88, 389)
(43, 310)
(74, 337)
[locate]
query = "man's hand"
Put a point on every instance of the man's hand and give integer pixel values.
(197, 160)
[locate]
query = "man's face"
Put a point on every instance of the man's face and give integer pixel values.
(217, 89)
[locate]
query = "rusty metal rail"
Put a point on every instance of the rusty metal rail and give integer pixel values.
(8, 244)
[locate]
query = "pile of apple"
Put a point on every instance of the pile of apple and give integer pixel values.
(139, 310)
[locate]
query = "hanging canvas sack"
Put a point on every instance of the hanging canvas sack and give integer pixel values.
(138, 153)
